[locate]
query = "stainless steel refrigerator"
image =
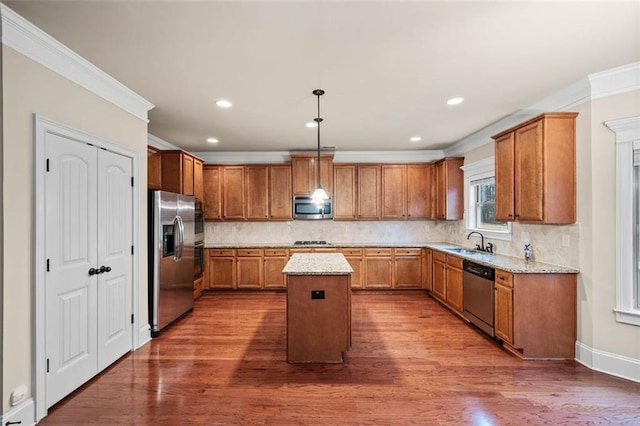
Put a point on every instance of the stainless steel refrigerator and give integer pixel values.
(171, 257)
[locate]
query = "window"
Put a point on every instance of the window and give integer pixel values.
(627, 132)
(481, 196)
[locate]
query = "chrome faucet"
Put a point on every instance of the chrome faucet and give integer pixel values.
(481, 245)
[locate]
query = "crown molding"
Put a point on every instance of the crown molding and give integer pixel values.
(156, 142)
(27, 39)
(597, 85)
(626, 129)
(280, 157)
(616, 80)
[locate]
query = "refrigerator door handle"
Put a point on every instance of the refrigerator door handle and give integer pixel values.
(181, 235)
(176, 239)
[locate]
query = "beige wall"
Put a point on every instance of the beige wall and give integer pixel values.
(1, 235)
(597, 216)
(29, 88)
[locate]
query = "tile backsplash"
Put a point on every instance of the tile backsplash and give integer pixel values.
(555, 244)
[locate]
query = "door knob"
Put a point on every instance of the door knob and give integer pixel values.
(105, 269)
(94, 271)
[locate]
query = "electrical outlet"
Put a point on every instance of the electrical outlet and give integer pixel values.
(566, 241)
(317, 294)
(524, 237)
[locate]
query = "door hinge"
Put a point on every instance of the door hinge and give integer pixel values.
(48, 265)
(47, 164)
(131, 180)
(47, 365)
(131, 318)
(131, 249)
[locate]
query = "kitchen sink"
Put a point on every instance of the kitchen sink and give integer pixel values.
(465, 251)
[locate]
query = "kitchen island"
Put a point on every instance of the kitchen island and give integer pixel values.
(318, 307)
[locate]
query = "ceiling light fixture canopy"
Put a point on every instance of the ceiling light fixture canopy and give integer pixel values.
(319, 196)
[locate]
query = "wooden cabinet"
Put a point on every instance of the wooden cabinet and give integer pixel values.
(394, 181)
(274, 262)
(535, 170)
(449, 189)
(454, 283)
(250, 274)
(354, 257)
(154, 168)
(221, 268)
(419, 191)
(212, 176)
(304, 168)
(407, 270)
(378, 269)
(369, 191)
(198, 286)
(345, 203)
(280, 204)
(535, 314)
(233, 195)
(178, 172)
(503, 305)
(257, 192)
(440, 275)
(198, 179)
(427, 269)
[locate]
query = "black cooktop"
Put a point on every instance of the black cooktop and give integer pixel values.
(310, 243)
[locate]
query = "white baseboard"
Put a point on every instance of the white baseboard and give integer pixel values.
(607, 362)
(144, 336)
(23, 414)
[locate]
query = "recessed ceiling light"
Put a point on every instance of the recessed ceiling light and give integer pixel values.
(212, 140)
(415, 139)
(312, 124)
(455, 101)
(223, 103)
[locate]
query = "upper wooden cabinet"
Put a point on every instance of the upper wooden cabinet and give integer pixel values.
(368, 191)
(449, 190)
(345, 202)
(394, 194)
(178, 172)
(305, 171)
(249, 192)
(419, 191)
(212, 177)
(198, 179)
(535, 170)
(154, 168)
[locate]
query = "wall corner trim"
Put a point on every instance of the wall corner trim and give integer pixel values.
(27, 39)
(608, 363)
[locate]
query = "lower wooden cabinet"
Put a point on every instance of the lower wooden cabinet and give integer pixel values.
(454, 283)
(535, 314)
(407, 268)
(427, 269)
(378, 270)
(274, 262)
(250, 274)
(354, 257)
(221, 269)
(198, 285)
(439, 275)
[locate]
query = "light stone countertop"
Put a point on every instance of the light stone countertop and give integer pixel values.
(507, 263)
(317, 264)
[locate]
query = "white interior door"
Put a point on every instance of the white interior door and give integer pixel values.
(71, 250)
(88, 236)
(114, 253)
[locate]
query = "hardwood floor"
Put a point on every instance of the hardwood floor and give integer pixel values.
(412, 362)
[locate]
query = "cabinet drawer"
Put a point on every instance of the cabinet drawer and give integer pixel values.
(325, 250)
(351, 251)
(378, 252)
(454, 261)
(439, 256)
(221, 252)
(504, 278)
(250, 252)
(408, 251)
(300, 250)
(275, 252)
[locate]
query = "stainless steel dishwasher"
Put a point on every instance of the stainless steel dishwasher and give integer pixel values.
(478, 295)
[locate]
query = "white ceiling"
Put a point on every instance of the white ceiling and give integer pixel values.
(388, 68)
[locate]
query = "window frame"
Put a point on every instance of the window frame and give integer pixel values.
(627, 131)
(482, 169)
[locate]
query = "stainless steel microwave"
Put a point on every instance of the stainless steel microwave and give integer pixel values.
(305, 208)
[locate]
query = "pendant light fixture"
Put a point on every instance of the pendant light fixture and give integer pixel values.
(319, 196)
